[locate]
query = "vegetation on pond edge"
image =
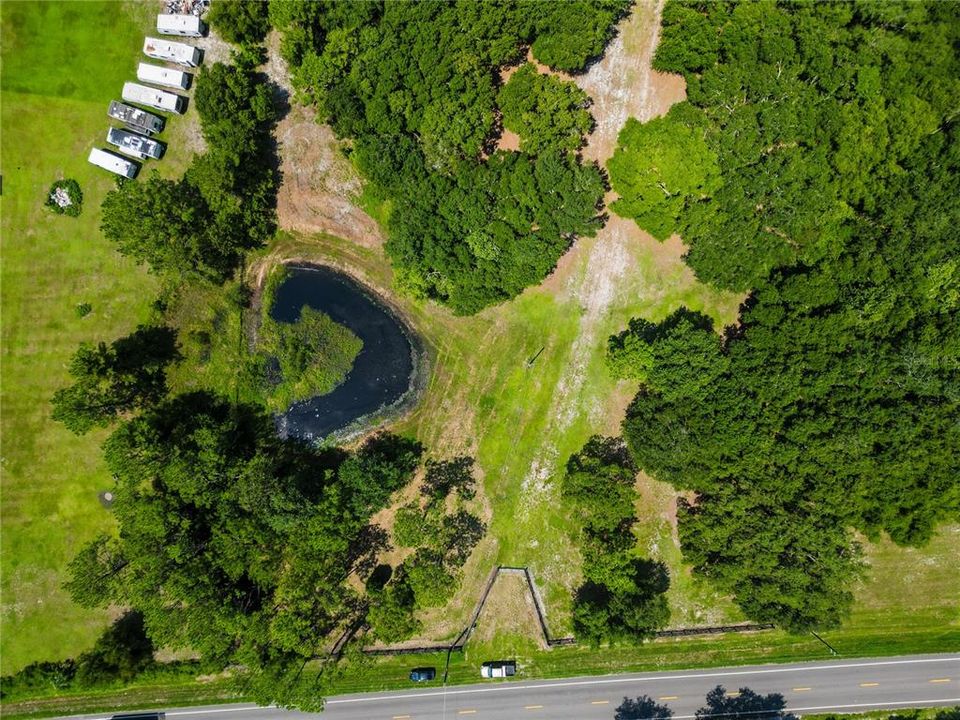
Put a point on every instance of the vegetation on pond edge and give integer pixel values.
(295, 361)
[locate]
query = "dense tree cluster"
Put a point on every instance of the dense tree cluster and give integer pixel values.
(444, 532)
(236, 544)
(224, 204)
(546, 112)
(660, 166)
(414, 85)
(832, 405)
(240, 21)
(623, 596)
(109, 382)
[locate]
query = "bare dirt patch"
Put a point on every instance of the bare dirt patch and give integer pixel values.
(509, 610)
(623, 84)
(509, 70)
(508, 140)
(319, 185)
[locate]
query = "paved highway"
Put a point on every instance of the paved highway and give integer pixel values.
(847, 686)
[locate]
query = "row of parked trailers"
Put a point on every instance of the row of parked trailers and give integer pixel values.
(135, 140)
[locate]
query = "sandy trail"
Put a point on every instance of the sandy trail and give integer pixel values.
(318, 186)
(622, 85)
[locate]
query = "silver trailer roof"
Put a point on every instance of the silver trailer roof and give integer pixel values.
(134, 116)
(133, 144)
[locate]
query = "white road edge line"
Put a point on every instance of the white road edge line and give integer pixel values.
(621, 680)
(574, 683)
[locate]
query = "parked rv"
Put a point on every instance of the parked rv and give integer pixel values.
(114, 163)
(135, 118)
(138, 146)
(172, 51)
(159, 99)
(186, 25)
(157, 75)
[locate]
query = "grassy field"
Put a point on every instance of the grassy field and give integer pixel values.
(519, 387)
(485, 400)
(62, 64)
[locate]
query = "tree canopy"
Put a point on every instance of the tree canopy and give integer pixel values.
(109, 382)
(623, 595)
(831, 406)
(546, 112)
(661, 165)
(236, 544)
(413, 84)
(240, 21)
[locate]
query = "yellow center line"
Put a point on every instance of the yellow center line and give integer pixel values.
(803, 689)
(532, 707)
(869, 684)
(466, 712)
(668, 697)
(733, 694)
(940, 680)
(401, 717)
(600, 702)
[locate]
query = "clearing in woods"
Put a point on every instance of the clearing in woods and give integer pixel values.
(519, 386)
(522, 417)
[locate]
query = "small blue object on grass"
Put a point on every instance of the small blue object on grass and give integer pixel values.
(424, 674)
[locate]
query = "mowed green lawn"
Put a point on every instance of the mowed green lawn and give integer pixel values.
(62, 64)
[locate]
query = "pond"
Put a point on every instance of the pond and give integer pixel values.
(384, 372)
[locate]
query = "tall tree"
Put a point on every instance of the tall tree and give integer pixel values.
(109, 382)
(831, 406)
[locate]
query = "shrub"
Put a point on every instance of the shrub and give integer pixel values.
(65, 198)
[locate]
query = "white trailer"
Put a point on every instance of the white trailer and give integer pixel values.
(185, 25)
(171, 51)
(159, 99)
(156, 75)
(113, 163)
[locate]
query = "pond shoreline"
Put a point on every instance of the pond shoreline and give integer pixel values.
(389, 412)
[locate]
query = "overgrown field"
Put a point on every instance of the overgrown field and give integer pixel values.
(62, 64)
(484, 399)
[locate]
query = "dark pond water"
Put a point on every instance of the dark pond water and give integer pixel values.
(383, 371)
